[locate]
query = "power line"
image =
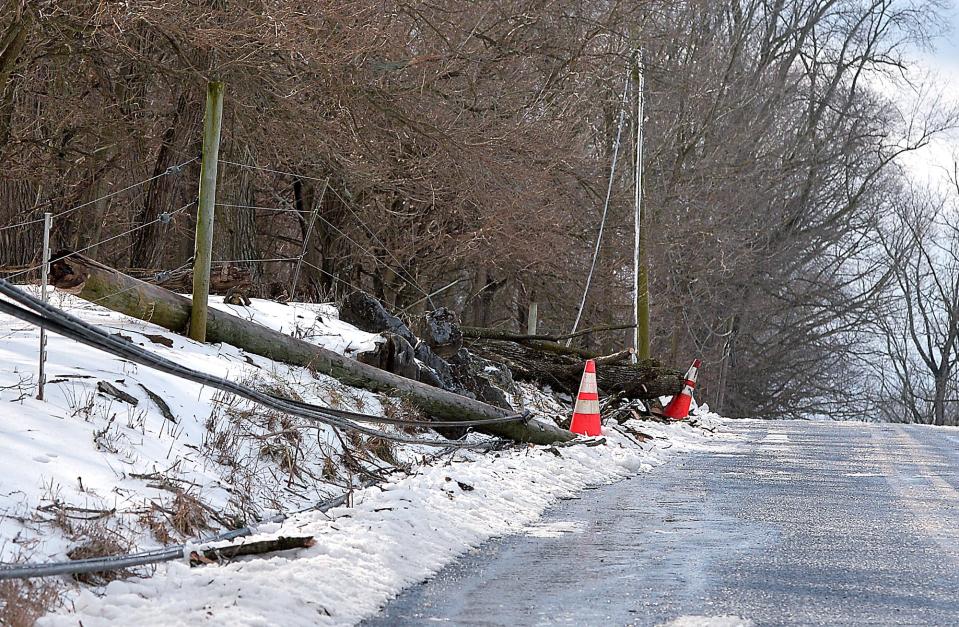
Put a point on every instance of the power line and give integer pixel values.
(119, 562)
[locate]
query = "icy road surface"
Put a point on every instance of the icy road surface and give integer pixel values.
(804, 523)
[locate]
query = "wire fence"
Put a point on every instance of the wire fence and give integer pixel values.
(175, 169)
(166, 217)
(396, 267)
(162, 218)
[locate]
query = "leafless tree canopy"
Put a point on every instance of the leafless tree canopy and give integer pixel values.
(465, 145)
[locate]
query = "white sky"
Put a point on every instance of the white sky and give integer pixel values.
(932, 164)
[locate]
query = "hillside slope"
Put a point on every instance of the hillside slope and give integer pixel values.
(121, 458)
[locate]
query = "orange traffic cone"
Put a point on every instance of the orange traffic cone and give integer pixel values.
(678, 408)
(586, 412)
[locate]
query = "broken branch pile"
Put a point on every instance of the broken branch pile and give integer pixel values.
(537, 358)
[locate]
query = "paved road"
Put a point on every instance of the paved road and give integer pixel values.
(803, 523)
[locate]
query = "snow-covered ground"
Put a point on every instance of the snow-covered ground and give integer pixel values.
(83, 471)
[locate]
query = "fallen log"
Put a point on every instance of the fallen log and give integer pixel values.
(160, 403)
(109, 389)
(616, 358)
(218, 554)
(542, 343)
(646, 379)
(497, 334)
(93, 281)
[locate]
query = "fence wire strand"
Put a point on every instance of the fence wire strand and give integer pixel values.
(162, 218)
(175, 169)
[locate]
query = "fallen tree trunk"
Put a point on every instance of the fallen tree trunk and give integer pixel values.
(646, 379)
(497, 334)
(543, 343)
(93, 281)
(222, 553)
(615, 358)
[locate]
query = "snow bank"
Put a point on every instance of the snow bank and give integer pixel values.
(81, 450)
(393, 536)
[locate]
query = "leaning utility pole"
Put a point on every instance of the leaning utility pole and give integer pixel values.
(203, 255)
(640, 273)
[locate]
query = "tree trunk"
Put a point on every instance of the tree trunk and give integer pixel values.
(109, 288)
(168, 193)
(12, 43)
(240, 221)
(485, 288)
(939, 403)
(19, 246)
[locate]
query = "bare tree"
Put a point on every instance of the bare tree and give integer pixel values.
(921, 328)
(466, 144)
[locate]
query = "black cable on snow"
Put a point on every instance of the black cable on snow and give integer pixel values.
(342, 413)
(168, 554)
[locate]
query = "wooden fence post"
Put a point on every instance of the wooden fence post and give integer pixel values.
(203, 256)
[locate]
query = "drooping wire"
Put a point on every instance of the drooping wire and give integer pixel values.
(120, 562)
(609, 192)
